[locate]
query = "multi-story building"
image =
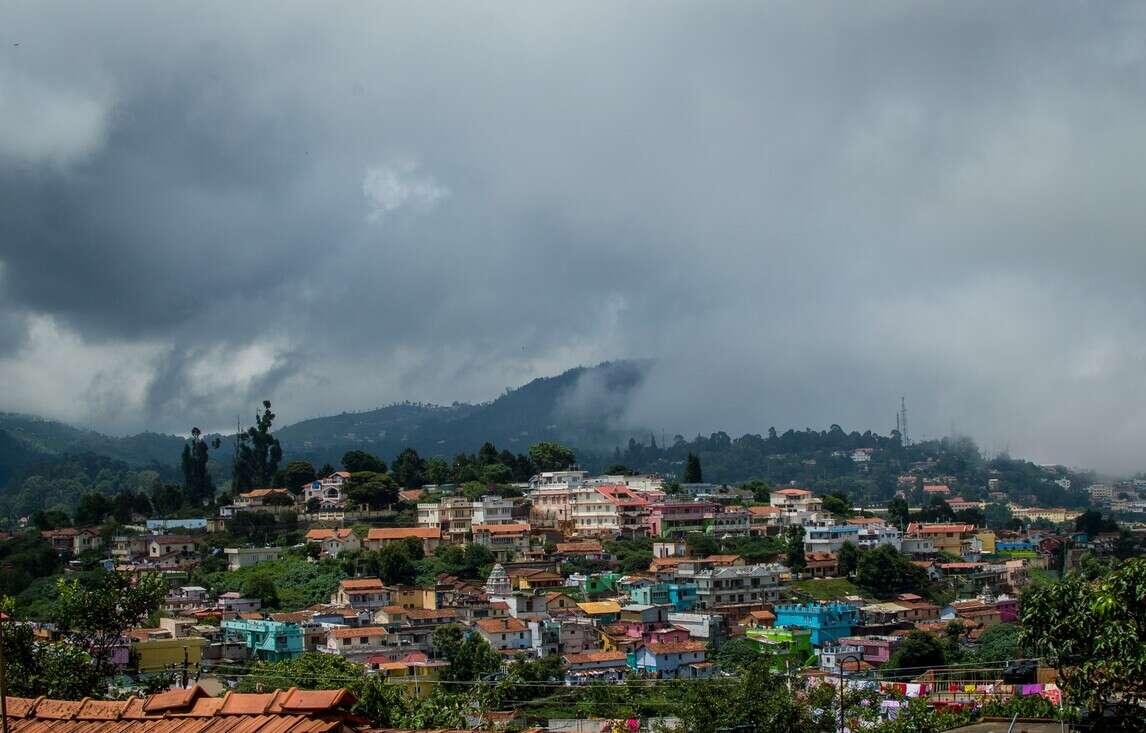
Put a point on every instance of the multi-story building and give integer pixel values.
(266, 639)
(954, 539)
(682, 660)
(631, 510)
(830, 538)
(731, 521)
(766, 520)
(746, 584)
(678, 518)
(798, 506)
(456, 515)
(827, 622)
(362, 593)
(569, 479)
(593, 513)
(507, 635)
(505, 541)
(125, 548)
(551, 506)
(356, 641)
(874, 534)
(329, 491)
(334, 541)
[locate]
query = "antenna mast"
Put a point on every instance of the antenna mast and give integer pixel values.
(902, 421)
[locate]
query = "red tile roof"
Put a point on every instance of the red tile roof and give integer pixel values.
(575, 547)
(677, 648)
(591, 657)
(354, 632)
(501, 625)
(361, 584)
(188, 711)
(318, 535)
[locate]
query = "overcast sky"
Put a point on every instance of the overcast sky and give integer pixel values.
(800, 210)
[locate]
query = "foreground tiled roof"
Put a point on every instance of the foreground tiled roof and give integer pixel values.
(188, 711)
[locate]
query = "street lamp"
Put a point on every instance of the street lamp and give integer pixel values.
(840, 659)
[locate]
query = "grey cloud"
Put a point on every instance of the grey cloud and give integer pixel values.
(800, 211)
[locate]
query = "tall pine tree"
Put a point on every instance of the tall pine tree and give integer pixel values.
(198, 485)
(692, 473)
(259, 453)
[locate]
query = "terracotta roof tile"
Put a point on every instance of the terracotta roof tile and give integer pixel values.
(173, 698)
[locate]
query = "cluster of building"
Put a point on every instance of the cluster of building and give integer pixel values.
(555, 590)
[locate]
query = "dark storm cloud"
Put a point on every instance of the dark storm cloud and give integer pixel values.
(801, 211)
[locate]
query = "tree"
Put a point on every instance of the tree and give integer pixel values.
(166, 498)
(757, 700)
(885, 571)
(917, 652)
(95, 615)
(692, 473)
(619, 469)
(1091, 630)
(938, 510)
(298, 475)
(198, 485)
(408, 469)
(551, 457)
(259, 453)
(437, 471)
(61, 670)
(92, 509)
(395, 566)
(474, 659)
(1093, 523)
(1000, 643)
(997, 516)
(794, 538)
(838, 504)
(736, 654)
(355, 461)
(369, 489)
(496, 473)
(263, 588)
(898, 512)
(446, 641)
(760, 489)
(848, 558)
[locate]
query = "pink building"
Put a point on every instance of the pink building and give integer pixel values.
(876, 649)
(679, 517)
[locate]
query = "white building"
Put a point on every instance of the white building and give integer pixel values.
(874, 535)
(455, 516)
(330, 491)
(245, 557)
(830, 538)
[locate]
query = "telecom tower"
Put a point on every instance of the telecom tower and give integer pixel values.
(901, 421)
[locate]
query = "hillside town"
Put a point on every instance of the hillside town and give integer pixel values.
(604, 579)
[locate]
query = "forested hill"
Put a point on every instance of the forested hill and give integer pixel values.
(42, 438)
(46, 464)
(579, 407)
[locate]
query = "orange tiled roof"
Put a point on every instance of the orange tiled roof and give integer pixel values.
(188, 711)
(570, 547)
(501, 625)
(319, 535)
(589, 657)
(361, 584)
(677, 648)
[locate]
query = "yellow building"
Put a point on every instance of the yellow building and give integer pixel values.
(155, 650)
(415, 678)
(409, 596)
(987, 538)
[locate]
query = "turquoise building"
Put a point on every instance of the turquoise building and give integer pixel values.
(681, 596)
(827, 621)
(269, 640)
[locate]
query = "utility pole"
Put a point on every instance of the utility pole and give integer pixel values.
(3, 678)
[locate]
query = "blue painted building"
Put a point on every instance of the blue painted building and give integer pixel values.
(266, 639)
(827, 622)
(681, 596)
